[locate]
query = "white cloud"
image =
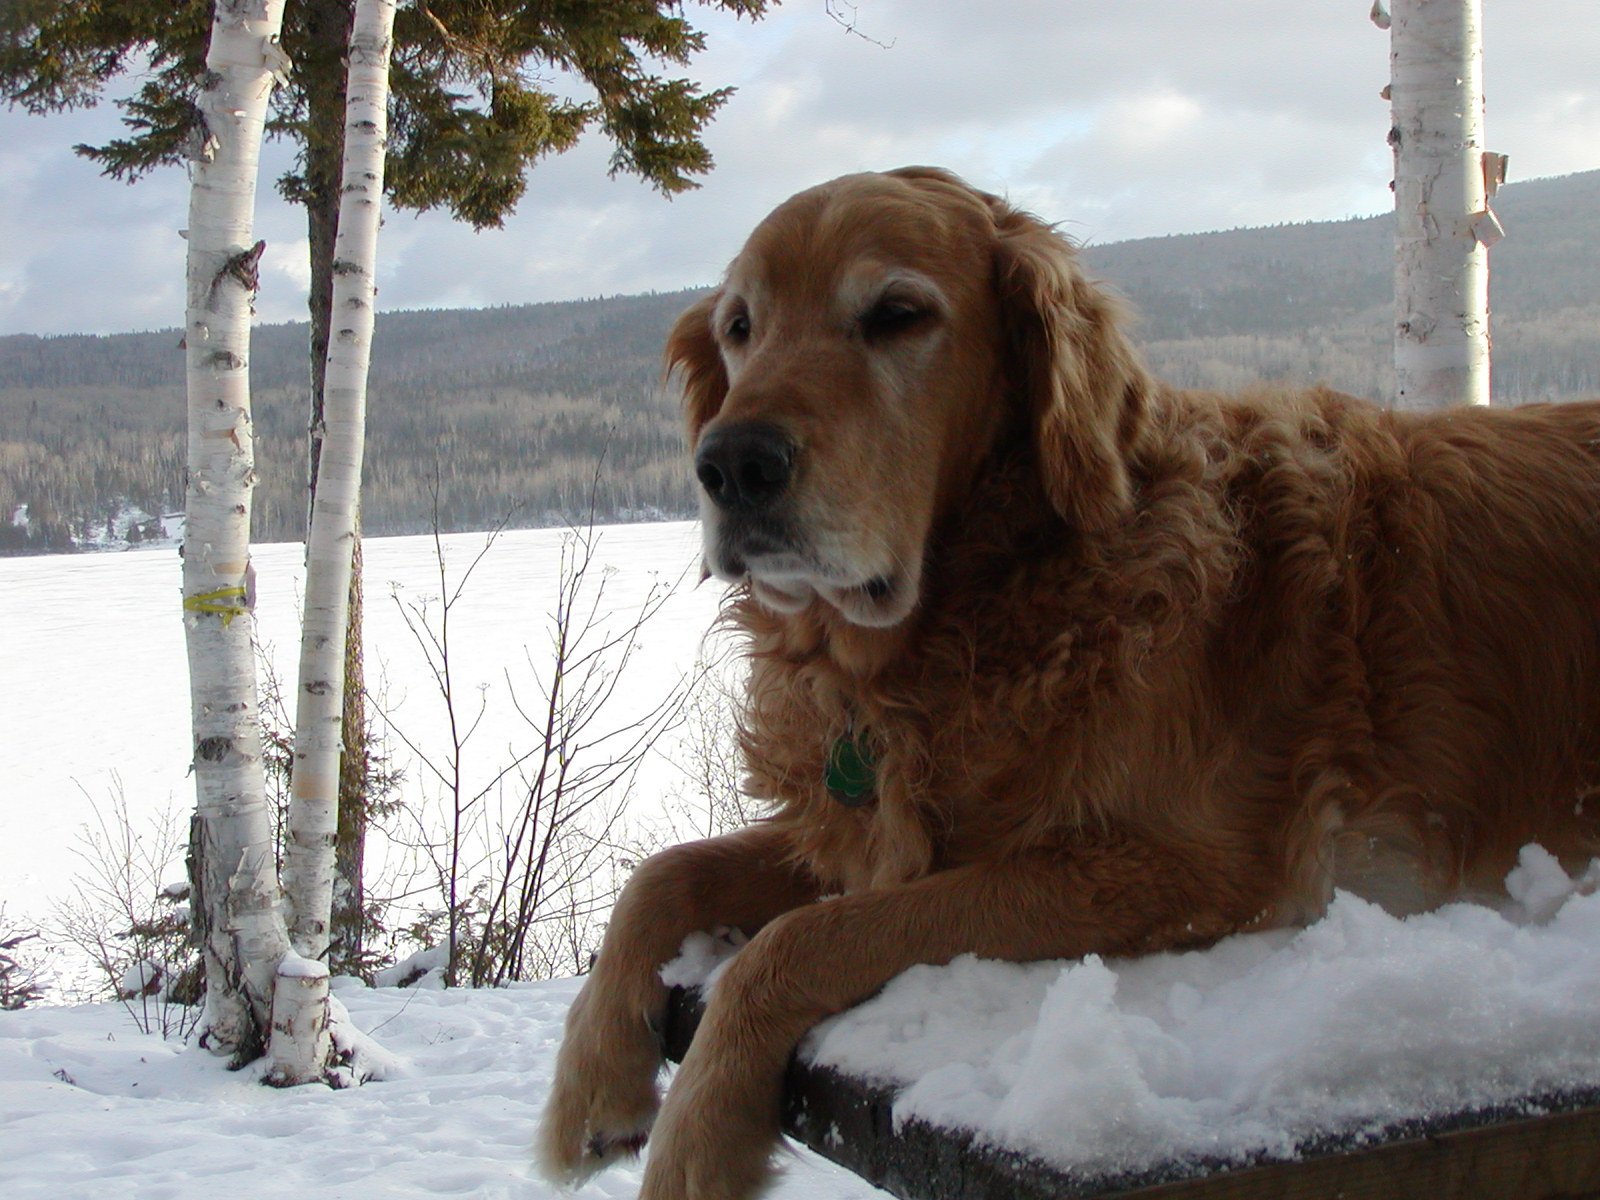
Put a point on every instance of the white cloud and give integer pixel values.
(289, 263)
(1139, 131)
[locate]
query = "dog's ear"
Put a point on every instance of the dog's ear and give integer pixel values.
(692, 353)
(1082, 380)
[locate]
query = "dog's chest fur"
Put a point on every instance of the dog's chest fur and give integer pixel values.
(1024, 684)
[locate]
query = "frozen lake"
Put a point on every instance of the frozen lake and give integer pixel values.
(95, 682)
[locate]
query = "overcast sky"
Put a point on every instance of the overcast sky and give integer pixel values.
(1117, 118)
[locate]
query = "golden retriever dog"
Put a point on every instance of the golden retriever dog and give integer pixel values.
(1047, 659)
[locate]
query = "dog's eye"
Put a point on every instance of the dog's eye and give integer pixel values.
(738, 327)
(892, 315)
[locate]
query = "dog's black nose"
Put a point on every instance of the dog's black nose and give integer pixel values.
(746, 466)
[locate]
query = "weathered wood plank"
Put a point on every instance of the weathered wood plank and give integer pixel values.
(1543, 1148)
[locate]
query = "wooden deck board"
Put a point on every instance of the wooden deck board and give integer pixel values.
(1543, 1147)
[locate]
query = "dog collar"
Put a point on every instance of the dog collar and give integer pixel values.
(851, 775)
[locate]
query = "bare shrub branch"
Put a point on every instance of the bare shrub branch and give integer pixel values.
(21, 977)
(525, 865)
(131, 921)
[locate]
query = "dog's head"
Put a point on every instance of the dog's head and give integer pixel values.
(871, 344)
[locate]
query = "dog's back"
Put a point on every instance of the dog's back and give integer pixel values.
(1413, 643)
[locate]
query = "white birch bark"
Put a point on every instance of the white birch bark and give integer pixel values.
(1443, 224)
(301, 1044)
(314, 811)
(232, 861)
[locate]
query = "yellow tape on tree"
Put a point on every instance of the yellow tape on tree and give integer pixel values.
(227, 603)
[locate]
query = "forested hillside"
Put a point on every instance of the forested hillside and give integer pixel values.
(1311, 302)
(531, 412)
(535, 411)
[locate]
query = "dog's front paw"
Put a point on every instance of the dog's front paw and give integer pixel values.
(715, 1137)
(603, 1099)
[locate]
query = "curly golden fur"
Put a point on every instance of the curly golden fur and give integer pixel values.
(1136, 668)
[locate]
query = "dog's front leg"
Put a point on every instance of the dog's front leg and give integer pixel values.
(603, 1098)
(719, 1123)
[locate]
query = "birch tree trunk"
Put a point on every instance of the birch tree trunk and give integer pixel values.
(321, 173)
(1442, 181)
(232, 863)
(313, 815)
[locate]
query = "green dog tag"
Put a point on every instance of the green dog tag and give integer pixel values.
(851, 773)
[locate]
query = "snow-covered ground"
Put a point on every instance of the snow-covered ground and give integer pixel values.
(92, 1109)
(1361, 1020)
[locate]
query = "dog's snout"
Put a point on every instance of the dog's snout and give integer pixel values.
(746, 466)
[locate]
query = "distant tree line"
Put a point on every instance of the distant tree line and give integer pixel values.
(73, 456)
(552, 410)
(549, 411)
